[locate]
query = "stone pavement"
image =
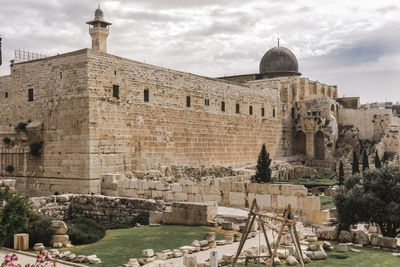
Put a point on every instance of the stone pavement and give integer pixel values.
(202, 256)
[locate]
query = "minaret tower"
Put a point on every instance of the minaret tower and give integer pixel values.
(99, 31)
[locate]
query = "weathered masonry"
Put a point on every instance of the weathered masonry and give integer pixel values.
(68, 119)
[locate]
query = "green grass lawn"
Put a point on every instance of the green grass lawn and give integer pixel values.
(369, 257)
(327, 202)
(119, 245)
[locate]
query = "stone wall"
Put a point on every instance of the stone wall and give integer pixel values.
(104, 209)
(60, 111)
(270, 197)
(128, 133)
(371, 123)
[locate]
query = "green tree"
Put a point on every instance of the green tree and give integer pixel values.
(365, 164)
(377, 161)
(15, 216)
(385, 158)
(373, 198)
(355, 167)
(341, 173)
(263, 172)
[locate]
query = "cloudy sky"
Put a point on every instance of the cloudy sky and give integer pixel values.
(352, 44)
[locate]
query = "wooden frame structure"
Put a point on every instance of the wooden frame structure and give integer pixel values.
(266, 220)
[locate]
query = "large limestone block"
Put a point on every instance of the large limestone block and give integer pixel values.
(299, 191)
(237, 199)
(274, 189)
(176, 188)
(181, 197)
(189, 260)
(327, 232)
(361, 237)
(283, 201)
(59, 227)
(225, 186)
(309, 203)
(238, 187)
(254, 188)
(63, 239)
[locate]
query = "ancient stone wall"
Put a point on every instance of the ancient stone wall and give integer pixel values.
(371, 123)
(59, 109)
(104, 209)
(129, 133)
(270, 197)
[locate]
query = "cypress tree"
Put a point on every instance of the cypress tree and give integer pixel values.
(378, 163)
(263, 172)
(385, 158)
(365, 164)
(341, 173)
(356, 167)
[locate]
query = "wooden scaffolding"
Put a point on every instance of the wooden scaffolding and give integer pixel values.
(271, 222)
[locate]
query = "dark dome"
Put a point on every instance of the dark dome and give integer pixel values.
(279, 59)
(98, 12)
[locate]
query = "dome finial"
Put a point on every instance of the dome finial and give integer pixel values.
(278, 41)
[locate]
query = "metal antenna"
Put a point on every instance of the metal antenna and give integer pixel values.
(278, 41)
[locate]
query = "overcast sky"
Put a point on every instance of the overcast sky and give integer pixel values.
(352, 44)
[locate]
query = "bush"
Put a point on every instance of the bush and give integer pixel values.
(15, 216)
(84, 231)
(374, 198)
(7, 140)
(263, 172)
(36, 148)
(41, 231)
(128, 222)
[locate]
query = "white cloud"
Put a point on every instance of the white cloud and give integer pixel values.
(224, 37)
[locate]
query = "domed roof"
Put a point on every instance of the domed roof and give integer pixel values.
(279, 59)
(98, 12)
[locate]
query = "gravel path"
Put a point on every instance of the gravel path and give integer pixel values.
(202, 256)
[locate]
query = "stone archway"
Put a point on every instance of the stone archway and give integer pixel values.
(300, 143)
(319, 151)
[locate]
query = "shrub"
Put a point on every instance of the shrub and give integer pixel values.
(36, 148)
(21, 127)
(128, 222)
(355, 167)
(41, 231)
(84, 231)
(263, 172)
(365, 163)
(15, 216)
(341, 173)
(374, 198)
(377, 161)
(10, 169)
(7, 140)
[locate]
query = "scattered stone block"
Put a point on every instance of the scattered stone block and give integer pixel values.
(147, 253)
(327, 233)
(65, 254)
(210, 237)
(355, 250)
(21, 241)
(70, 257)
(342, 247)
(57, 245)
(220, 242)
(227, 226)
(361, 237)
(189, 260)
(59, 227)
(38, 247)
(291, 261)
(345, 237)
